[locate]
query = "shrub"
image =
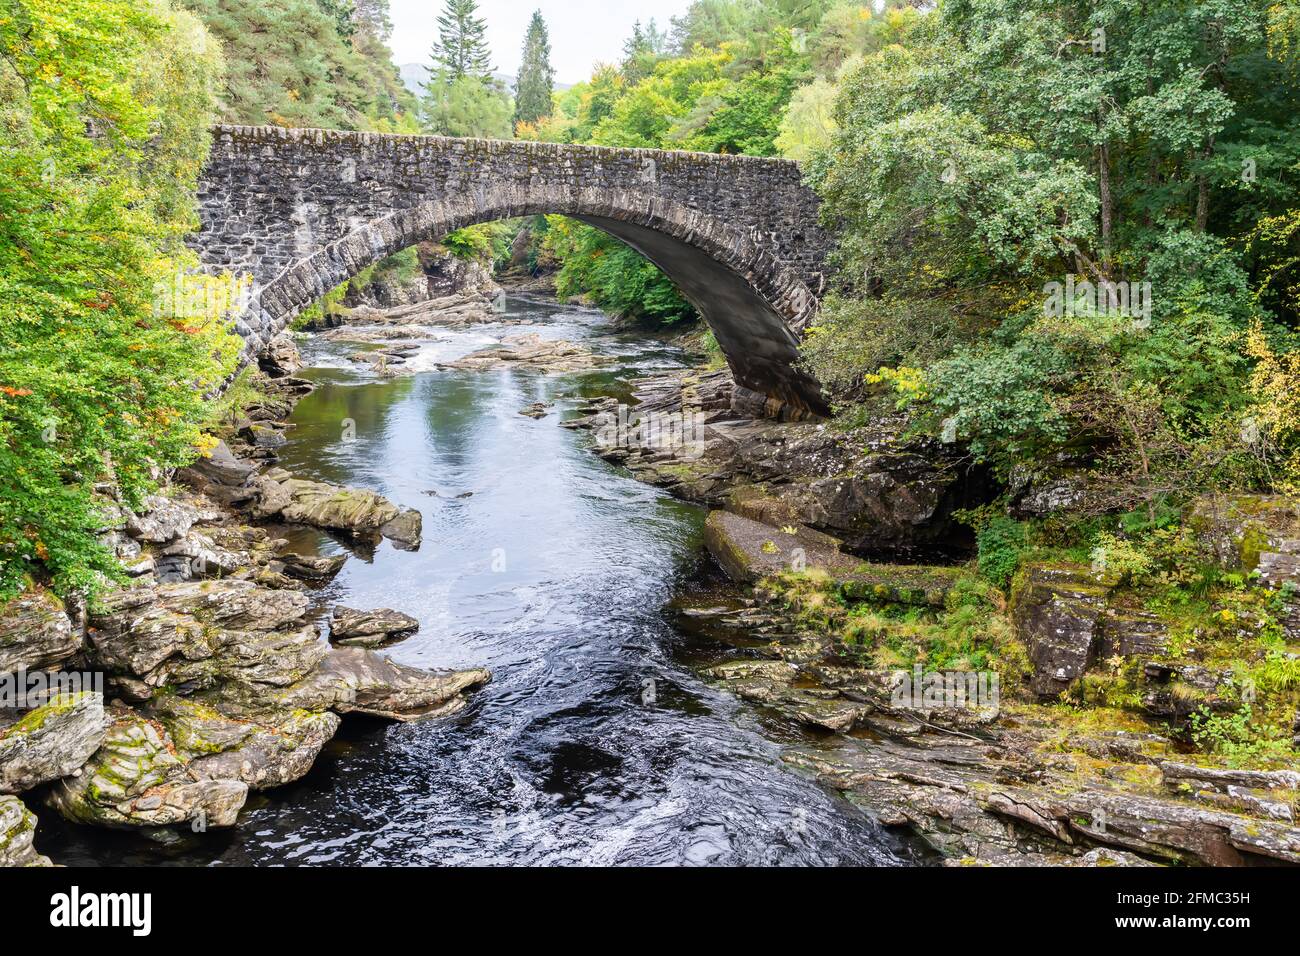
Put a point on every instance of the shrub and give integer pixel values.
(1000, 543)
(106, 348)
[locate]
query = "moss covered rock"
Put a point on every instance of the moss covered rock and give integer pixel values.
(137, 778)
(1058, 611)
(749, 550)
(50, 742)
(35, 632)
(1235, 530)
(352, 511)
(17, 827)
(196, 633)
(270, 752)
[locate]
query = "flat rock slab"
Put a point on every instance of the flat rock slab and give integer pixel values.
(749, 550)
(530, 350)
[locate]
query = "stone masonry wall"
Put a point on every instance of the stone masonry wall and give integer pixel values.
(270, 197)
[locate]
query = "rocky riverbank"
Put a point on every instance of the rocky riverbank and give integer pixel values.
(1090, 747)
(1108, 734)
(204, 676)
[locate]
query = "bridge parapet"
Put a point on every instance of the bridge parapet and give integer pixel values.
(271, 196)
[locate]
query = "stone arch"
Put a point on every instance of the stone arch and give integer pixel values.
(755, 306)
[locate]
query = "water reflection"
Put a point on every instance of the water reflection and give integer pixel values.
(546, 565)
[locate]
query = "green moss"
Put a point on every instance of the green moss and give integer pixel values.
(36, 719)
(1254, 542)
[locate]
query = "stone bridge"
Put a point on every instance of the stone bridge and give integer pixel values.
(303, 210)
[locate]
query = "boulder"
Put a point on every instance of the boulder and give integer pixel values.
(50, 742)
(353, 628)
(312, 567)
(267, 753)
(35, 632)
(338, 509)
(219, 475)
(199, 632)
(168, 518)
(405, 530)
(196, 555)
(264, 436)
(280, 357)
(1058, 612)
(873, 489)
(334, 508)
(136, 779)
(17, 827)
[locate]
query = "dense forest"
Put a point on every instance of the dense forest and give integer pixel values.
(1068, 233)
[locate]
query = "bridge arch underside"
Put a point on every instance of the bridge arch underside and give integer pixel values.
(755, 306)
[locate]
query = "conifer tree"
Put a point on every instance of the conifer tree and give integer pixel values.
(536, 76)
(461, 48)
(373, 17)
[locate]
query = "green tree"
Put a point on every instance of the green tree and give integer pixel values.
(373, 17)
(461, 48)
(643, 49)
(106, 346)
(1002, 148)
(341, 12)
(809, 122)
(533, 89)
(466, 106)
(288, 65)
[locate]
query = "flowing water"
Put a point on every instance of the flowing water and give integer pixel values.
(553, 569)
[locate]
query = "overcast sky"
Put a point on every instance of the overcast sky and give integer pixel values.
(582, 33)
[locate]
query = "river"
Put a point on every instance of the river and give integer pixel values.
(547, 565)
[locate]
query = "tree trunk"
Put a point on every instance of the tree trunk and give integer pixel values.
(1107, 205)
(1203, 191)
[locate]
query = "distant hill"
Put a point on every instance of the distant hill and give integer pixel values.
(414, 75)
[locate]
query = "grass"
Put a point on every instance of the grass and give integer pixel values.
(1222, 622)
